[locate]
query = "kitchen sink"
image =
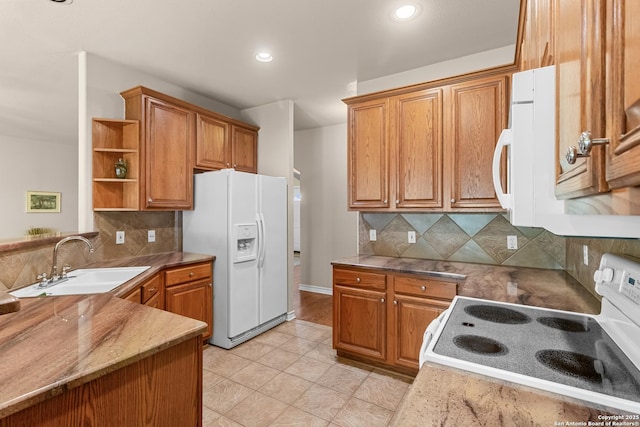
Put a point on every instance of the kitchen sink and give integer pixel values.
(84, 281)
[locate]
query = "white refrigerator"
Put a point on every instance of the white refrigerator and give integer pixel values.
(241, 219)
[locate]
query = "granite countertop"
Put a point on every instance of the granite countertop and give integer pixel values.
(445, 396)
(56, 343)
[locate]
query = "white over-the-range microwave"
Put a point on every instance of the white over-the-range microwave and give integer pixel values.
(530, 143)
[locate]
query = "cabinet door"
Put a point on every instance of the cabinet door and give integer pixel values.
(416, 130)
(538, 38)
(135, 296)
(192, 299)
(213, 148)
(580, 94)
(168, 164)
(368, 155)
(623, 90)
(478, 113)
(244, 149)
(410, 318)
(359, 318)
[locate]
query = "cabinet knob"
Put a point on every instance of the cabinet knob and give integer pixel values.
(381, 299)
(453, 201)
(585, 145)
(395, 302)
(150, 200)
(228, 164)
(397, 201)
(385, 201)
(235, 165)
(358, 279)
(423, 288)
(152, 289)
(191, 274)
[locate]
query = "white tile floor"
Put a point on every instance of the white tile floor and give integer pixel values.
(290, 376)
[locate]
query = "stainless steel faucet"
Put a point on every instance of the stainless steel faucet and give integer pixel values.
(54, 278)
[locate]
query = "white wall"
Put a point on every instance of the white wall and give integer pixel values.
(36, 165)
(275, 158)
(328, 230)
(463, 65)
(101, 82)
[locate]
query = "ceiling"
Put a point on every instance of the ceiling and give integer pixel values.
(321, 48)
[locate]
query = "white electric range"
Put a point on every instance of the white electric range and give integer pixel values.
(593, 358)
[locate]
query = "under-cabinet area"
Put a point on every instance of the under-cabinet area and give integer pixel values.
(380, 317)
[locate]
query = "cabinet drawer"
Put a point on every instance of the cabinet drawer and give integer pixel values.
(358, 278)
(424, 288)
(188, 273)
(151, 288)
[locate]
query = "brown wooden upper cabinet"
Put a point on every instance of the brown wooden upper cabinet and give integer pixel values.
(427, 147)
(538, 38)
(222, 144)
(167, 139)
(623, 89)
(597, 47)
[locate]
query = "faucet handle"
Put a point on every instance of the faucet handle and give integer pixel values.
(42, 278)
(65, 270)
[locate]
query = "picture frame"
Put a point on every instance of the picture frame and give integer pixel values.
(43, 202)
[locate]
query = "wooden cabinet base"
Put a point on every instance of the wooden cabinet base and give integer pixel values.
(164, 389)
(368, 361)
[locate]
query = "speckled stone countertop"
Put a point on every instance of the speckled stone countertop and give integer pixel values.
(56, 343)
(444, 396)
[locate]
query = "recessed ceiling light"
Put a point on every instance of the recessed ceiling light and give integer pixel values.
(264, 57)
(406, 12)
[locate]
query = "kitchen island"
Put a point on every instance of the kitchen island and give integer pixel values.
(98, 358)
(446, 396)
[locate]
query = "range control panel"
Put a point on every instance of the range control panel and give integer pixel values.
(618, 280)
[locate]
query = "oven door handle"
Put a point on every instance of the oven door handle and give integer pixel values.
(428, 335)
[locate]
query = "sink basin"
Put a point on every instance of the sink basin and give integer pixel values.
(84, 281)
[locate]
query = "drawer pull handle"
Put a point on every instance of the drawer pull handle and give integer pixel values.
(424, 288)
(358, 279)
(152, 289)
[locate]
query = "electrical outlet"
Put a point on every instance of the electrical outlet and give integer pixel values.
(585, 254)
(411, 236)
(151, 236)
(372, 235)
(119, 237)
(512, 242)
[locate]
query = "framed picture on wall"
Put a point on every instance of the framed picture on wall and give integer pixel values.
(43, 202)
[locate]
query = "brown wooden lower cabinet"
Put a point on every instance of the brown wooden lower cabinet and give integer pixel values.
(164, 389)
(185, 290)
(380, 317)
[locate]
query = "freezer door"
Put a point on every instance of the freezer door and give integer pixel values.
(243, 297)
(272, 255)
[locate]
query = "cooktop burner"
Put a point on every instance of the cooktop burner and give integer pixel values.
(480, 345)
(572, 364)
(497, 314)
(563, 324)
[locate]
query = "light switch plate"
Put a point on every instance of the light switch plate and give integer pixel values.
(372, 235)
(151, 236)
(119, 237)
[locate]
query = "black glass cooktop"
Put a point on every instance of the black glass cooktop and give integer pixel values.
(560, 347)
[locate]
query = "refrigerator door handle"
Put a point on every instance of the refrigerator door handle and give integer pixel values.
(261, 240)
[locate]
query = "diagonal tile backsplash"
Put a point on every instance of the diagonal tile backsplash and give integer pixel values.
(479, 238)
